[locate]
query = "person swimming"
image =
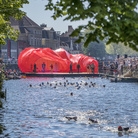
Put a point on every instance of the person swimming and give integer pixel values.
(71, 94)
(123, 129)
(103, 85)
(71, 118)
(92, 121)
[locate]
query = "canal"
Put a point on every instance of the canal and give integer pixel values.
(38, 107)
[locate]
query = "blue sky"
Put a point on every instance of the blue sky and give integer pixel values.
(35, 11)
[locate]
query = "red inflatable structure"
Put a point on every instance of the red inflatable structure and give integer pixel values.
(42, 60)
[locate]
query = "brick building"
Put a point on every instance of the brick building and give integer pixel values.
(30, 36)
(33, 35)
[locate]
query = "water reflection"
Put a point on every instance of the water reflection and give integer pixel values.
(41, 110)
(2, 97)
(1, 125)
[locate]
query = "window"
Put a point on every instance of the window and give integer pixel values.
(35, 42)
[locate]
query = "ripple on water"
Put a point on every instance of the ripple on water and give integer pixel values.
(39, 111)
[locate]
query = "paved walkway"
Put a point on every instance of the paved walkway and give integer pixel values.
(63, 74)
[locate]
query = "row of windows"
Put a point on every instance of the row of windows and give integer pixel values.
(36, 41)
(37, 32)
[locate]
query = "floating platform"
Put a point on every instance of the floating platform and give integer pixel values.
(63, 74)
(112, 78)
(125, 79)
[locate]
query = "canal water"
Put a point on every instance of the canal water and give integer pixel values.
(38, 107)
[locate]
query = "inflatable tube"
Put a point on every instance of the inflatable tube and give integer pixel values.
(60, 60)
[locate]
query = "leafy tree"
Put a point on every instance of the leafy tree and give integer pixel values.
(120, 49)
(117, 19)
(95, 49)
(9, 8)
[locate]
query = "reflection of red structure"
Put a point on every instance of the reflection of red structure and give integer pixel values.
(60, 59)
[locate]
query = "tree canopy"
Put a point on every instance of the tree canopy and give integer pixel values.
(95, 49)
(9, 8)
(120, 49)
(115, 19)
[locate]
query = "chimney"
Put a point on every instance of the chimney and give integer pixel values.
(43, 25)
(70, 29)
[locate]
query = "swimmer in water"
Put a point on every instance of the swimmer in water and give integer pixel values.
(71, 118)
(123, 129)
(92, 121)
(71, 94)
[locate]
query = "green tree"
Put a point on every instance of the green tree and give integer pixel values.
(110, 49)
(95, 49)
(116, 19)
(120, 49)
(9, 8)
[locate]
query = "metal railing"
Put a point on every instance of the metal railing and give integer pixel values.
(10, 61)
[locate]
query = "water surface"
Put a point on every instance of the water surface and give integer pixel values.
(39, 111)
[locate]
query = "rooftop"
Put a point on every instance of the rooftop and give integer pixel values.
(24, 22)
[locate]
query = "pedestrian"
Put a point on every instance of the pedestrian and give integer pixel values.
(122, 69)
(104, 68)
(111, 68)
(51, 68)
(70, 68)
(34, 68)
(119, 69)
(92, 68)
(43, 66)
(56, 67)
(88, 68)
(78, 67)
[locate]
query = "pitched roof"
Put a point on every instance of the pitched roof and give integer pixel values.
(25, 22)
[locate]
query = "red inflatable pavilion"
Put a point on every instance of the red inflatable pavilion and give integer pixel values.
(39, 58)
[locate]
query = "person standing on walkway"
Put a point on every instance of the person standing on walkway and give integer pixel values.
(78, 67)
(111, 68)
(56, 67)
(34, 67)
(119, 69)
(92, 67)
(88, 68)
(122, 69)
(43, 66)
(51, 68)
(70, 68)
(104, 68)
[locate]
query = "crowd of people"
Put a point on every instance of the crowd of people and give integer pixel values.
(121, 66)
(9, 73)
(12, 74)
(126, 67)
(11, 60)
(90, 68)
